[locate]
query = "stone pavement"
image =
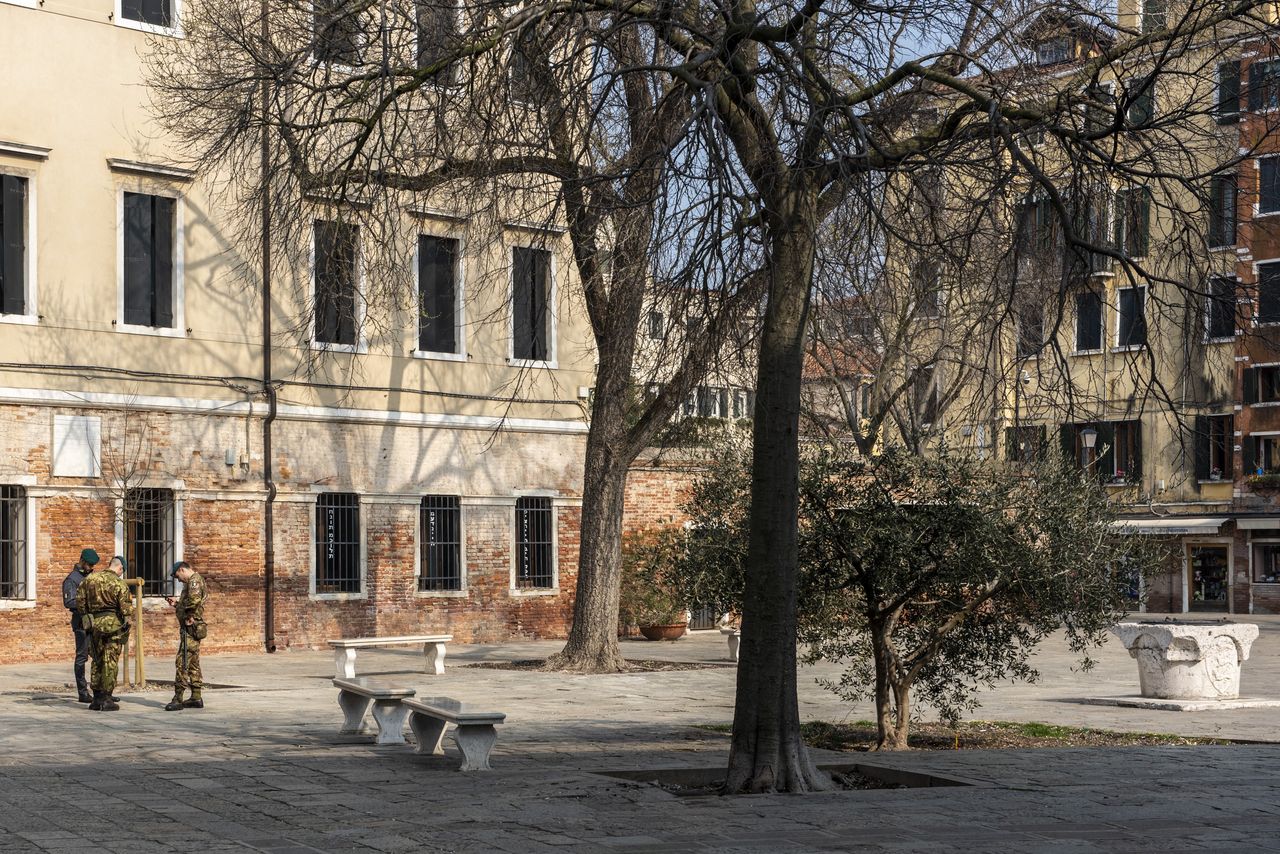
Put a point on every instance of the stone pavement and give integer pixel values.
(264, 769)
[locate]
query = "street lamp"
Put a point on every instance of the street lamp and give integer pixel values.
(1090, 438)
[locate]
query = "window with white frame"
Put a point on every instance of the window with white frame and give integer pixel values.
(440, 543)
(1131, 327)
(1264, 85)
(657, 326)
(14, 260)
(1089, 320)
(1268, 185)
(150, 538)
(1141, 94)
(1030, 330)
(150, 287)
(1262, 384)
(1222, 211)
(535, 543)
(1267, 306)
(1053, 51)
(522, 77)
(531, 291)
(1227, 107)
(13, 543)
(438, 31)
(1155, 15)
(338, 562)
(153, 13)
(1133, 221)
(336, 32)
(438, 295)
(1266, 563)
(335, 275)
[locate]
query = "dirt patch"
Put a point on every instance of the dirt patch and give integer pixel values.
(989, 735)
(709, 782)
(635, 666)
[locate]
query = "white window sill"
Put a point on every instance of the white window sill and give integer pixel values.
(521, 592)
(1260, 214)
(151, 29)
(1097, 351)
(19, 319)
(17, 604)
(432, 356)
(1128, 348)
(1228, 340)
(1265, 403)
(337, 597)
(1225, 247)
(441, 594)
(158, 331)
(26, 4)
(1226, 480)
(1257, 322)
(359, 349)
(533, 363)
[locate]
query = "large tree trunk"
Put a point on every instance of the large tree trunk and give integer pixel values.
(902, 716)
(767, 752)
(884, 686)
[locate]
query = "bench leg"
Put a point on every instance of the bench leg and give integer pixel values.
(475, 741)
(429, 732)
(344, 664)
(353, 708)
(435, 657)
(734, 643)
(389, 715)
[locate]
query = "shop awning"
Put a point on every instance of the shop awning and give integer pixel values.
(1171, 525)
(1258, 524)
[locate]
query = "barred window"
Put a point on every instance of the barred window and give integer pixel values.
(13, 543)
(440, 543)
(338, 542)
(535, 529)
(149, 535)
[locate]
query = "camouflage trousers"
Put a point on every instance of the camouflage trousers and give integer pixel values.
(187, 666)
(105, 650)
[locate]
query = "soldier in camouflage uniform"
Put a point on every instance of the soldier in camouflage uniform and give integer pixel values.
(189, 609)
(106, 604)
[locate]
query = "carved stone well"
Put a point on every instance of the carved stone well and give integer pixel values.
(1188, 660)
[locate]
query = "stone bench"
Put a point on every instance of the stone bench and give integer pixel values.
(344, 651)
(734, 637)
(356, 695)
(474, 734)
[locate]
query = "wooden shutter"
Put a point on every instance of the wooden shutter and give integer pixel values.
(522, 287)
(1104, 449)
(1255, 87)
(1135, 428)
(335, 272)
(162, 226)
(13, 298)
(1067, 440)
(1228, 106)
(137, 259)
(1250, 385)
(1248, 448)
(1200, 441)
(437, 332)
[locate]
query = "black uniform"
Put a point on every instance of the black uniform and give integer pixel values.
(70, 586)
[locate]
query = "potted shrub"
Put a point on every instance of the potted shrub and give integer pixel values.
(648, 600)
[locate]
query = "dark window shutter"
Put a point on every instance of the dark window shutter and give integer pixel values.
(1250, 385)
(1200, 440)
(437, 35)
(522, 286)
(1089, 320)
(1067, 440)
(1227, 109)
(1248, 455)
(542, 271)
(437, 332)
(138, 265)
(1222, 211)
(1268, 308)
(162, 225)
(335, 275)
(1255, 87)
(1104, 449)
(346, 283)
(1142, 228)
(13, 297)
(1136, 473)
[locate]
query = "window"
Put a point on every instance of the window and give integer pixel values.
(1030, 331)
(1100, 107)
(13, 245)
(1227, 109)
(742, 403)
(1261, 455)
(149, 232)
(1025, 443)
(1088, 321)
(522, 76)
(1264, 86)
(713, 402)
(335, 283)
(1038, 226)
(1131, 330)
(657, 326)
(13, 543)
(530, 294)
(925, 396)
(1220, 308)
(926, 281)
(1154, 15)
(1222, 210)
(440, 543)
(1262, 385)
(1267, 309)
(1266, 563)
(338, 563)
(1214, 447)
(156, 13)
(1126, 454)
(1133, 221)
(1142, 102)
(1268, 185)
(1053, 51)
(150, 534)
(1117, 449)
(437, 295)
(438, 35)
(337, 32)
(535, 528)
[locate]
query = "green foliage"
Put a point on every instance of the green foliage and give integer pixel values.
(1264, 481)
(933, 574)
(648, 597)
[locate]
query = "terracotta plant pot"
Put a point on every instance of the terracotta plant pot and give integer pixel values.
(675, 631)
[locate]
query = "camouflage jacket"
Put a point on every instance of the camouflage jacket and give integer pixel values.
(106, 597)
(191, 602)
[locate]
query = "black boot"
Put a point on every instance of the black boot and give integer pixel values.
(108, 703)
(95, 705)
(175, 705)
(193, 703)
(85, 696)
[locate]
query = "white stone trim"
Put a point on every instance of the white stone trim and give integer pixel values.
(179, 296)
(18, 149)
(163, 171)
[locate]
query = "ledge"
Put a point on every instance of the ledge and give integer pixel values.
(18, 149)
(150, 170)
(436, 213)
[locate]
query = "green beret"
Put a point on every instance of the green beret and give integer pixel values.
(124, 563)
(89, 556)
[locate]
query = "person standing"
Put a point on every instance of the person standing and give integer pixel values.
(106, 603)
(70, 586)
(189, 609)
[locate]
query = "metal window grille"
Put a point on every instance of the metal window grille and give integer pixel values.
(534, 531)
(13, 542)
(149, 538)
(338, 543)
(441, 543)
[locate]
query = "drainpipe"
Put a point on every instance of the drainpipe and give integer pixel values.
(268, 477)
